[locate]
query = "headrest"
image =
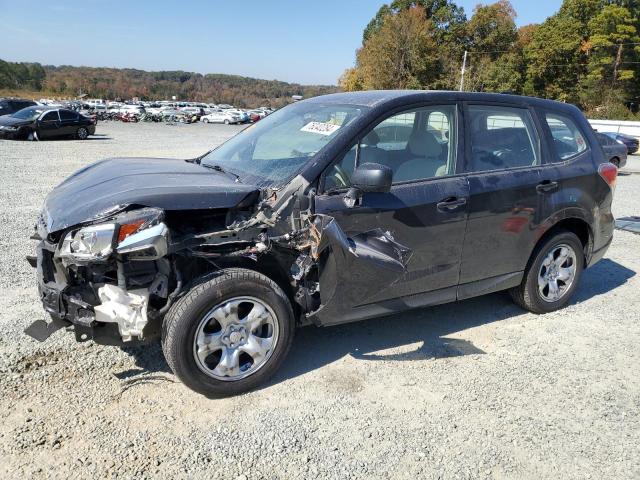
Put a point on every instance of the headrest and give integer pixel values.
(424, 144)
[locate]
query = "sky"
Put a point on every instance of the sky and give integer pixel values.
(308, 42)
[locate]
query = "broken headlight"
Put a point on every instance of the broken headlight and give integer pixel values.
(142, 235)
(94, 242)
(126, 233)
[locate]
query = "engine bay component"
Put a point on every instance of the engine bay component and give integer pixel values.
(126, 308)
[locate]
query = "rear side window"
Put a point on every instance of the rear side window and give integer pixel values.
(501, 137)
(568, 141)
(51, 116)
(68, 115)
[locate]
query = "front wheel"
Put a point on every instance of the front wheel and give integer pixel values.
(552, 277)
(226, 122)
(229, 334)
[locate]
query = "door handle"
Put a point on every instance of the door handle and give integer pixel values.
(451, 203)
(547, 186)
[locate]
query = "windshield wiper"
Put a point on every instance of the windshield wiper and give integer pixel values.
(218, 168)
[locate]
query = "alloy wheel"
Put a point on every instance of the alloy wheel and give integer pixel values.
(235, 338)
(557, 273)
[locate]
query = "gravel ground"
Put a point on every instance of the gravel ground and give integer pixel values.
(477, 389)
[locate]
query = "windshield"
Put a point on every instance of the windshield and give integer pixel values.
(276, 148)
(29, 113)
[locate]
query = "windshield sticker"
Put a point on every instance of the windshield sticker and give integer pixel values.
(320, 128)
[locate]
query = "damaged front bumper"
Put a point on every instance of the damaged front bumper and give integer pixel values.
(112, 317)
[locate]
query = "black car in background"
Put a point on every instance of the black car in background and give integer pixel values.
(338, 208)
(615, 151)
(41, 122)
(11, 105)
(631, 143)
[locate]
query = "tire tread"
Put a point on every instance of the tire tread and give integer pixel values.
(171, 323)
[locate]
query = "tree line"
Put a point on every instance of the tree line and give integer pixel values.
(588, 53)
(121, 84)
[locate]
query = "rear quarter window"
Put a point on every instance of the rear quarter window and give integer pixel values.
(566, 137)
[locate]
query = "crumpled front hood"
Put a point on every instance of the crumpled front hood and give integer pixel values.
(110, 185)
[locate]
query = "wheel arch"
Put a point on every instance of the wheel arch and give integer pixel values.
(272, 266)
(576, 225)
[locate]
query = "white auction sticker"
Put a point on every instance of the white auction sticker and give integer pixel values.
(320, 128)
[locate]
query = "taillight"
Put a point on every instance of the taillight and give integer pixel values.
(609, 173)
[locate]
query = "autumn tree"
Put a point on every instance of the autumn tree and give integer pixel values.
(401, 53)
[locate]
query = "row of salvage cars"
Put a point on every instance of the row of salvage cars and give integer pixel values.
(333, 209)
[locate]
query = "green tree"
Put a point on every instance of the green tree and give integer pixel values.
(554, 59)
(494, 59)
(612, 34)
(446, 16)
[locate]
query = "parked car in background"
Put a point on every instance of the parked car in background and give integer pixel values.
(222, 116)
(131, 109)
(257, 114)
(615, 150)
(197, 112)
(241, 114)
(515, 196)
(11, 105)
(41, 122)
(632, 143)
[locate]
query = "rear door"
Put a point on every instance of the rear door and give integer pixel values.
(404, 243)
(68, 122)
(503, 158)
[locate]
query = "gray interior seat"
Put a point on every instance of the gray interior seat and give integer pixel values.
(426, 159)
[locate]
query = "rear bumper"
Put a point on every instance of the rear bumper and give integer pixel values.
(597, 255)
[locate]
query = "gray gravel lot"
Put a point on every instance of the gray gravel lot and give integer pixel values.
(478, 389)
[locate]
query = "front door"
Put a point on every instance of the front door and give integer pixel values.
(49, 124)
(403, 248)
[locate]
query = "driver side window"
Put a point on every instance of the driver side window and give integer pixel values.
(416, 144)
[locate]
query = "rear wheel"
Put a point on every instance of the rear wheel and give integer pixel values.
(616, 161)
(229, 334)
(205, 120)
(82, 133)
(226, 122)
(552, 277)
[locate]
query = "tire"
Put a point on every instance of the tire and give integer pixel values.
(615, 161)
(82, 133)
(528, 294)
(206, 120)
(186, 323)
(226, 122)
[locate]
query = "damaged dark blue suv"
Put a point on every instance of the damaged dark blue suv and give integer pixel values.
(334, 209)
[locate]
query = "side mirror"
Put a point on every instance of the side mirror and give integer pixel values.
(368, 177)
(372, 177)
